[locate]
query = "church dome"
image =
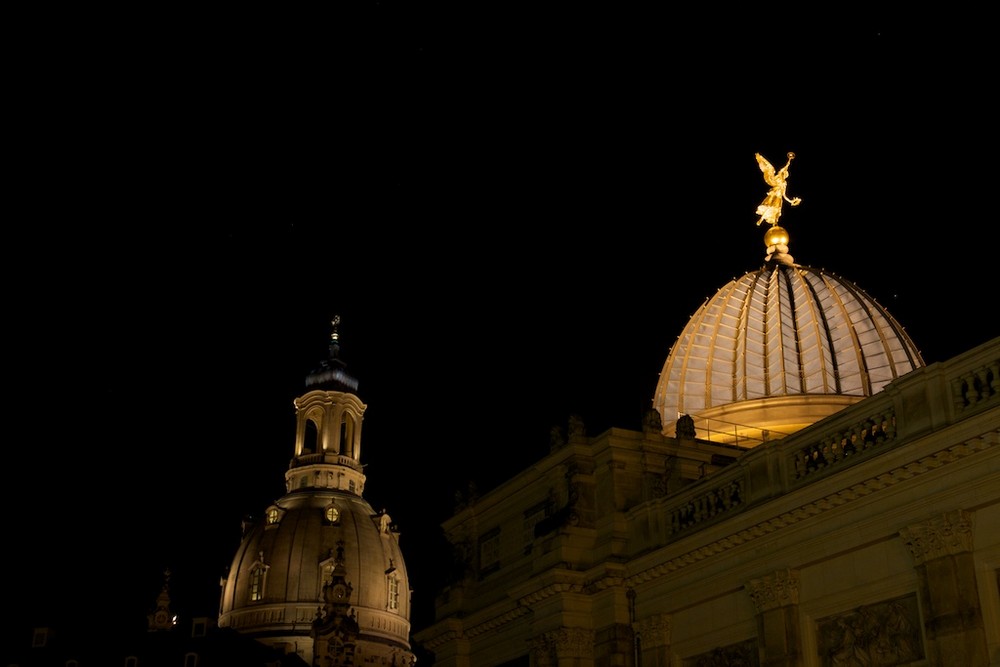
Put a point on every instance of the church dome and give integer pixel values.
(290, 556)
(322, 572)
(779, 349)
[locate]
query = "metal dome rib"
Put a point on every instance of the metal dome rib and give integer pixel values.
(782, 331)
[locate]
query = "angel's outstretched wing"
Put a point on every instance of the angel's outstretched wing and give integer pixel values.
(767, 168)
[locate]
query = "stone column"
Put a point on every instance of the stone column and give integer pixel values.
(779, 637)
(953, 621)
(614, 646)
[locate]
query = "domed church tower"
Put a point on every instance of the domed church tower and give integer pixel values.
(780, 348)
(323, 575)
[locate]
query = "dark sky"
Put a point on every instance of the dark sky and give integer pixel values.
(513, 213)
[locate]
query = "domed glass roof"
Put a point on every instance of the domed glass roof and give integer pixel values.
(777, 350)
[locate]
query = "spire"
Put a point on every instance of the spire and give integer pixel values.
(328, 434)
(332, 373)
(162, 618)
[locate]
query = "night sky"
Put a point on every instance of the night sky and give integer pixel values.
(514, 221)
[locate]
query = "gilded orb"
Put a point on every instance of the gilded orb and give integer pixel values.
(775, 236)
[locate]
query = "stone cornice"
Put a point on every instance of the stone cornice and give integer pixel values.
(826, 503)
(760, 529)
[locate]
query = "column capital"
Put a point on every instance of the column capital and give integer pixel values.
(654, 630)
(778, 589)
(944, 535)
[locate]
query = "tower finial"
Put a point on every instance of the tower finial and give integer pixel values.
(335, 322)
(335, 338)
(770, 208)
(332, 370)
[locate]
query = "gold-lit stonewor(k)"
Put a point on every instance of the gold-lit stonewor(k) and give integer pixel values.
(770, 208)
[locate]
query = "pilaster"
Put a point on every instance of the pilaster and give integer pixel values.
(776, 598)
(953, 621)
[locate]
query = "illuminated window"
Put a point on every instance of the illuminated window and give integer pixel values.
(40, 637)
(257, 582)
(272, 516)
(393, 592)
(332, 514)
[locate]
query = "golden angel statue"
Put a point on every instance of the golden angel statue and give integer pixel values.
(770, 208)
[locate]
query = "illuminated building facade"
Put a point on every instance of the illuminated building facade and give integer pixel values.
(806, 491)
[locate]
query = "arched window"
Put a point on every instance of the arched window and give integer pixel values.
(258, 579)
(346, 435)
(190, 660)
(393, 586)
(310, 439)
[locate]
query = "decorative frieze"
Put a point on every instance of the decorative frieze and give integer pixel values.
(884, 633)
(742, 654)
(499, 621)
(257, 617)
